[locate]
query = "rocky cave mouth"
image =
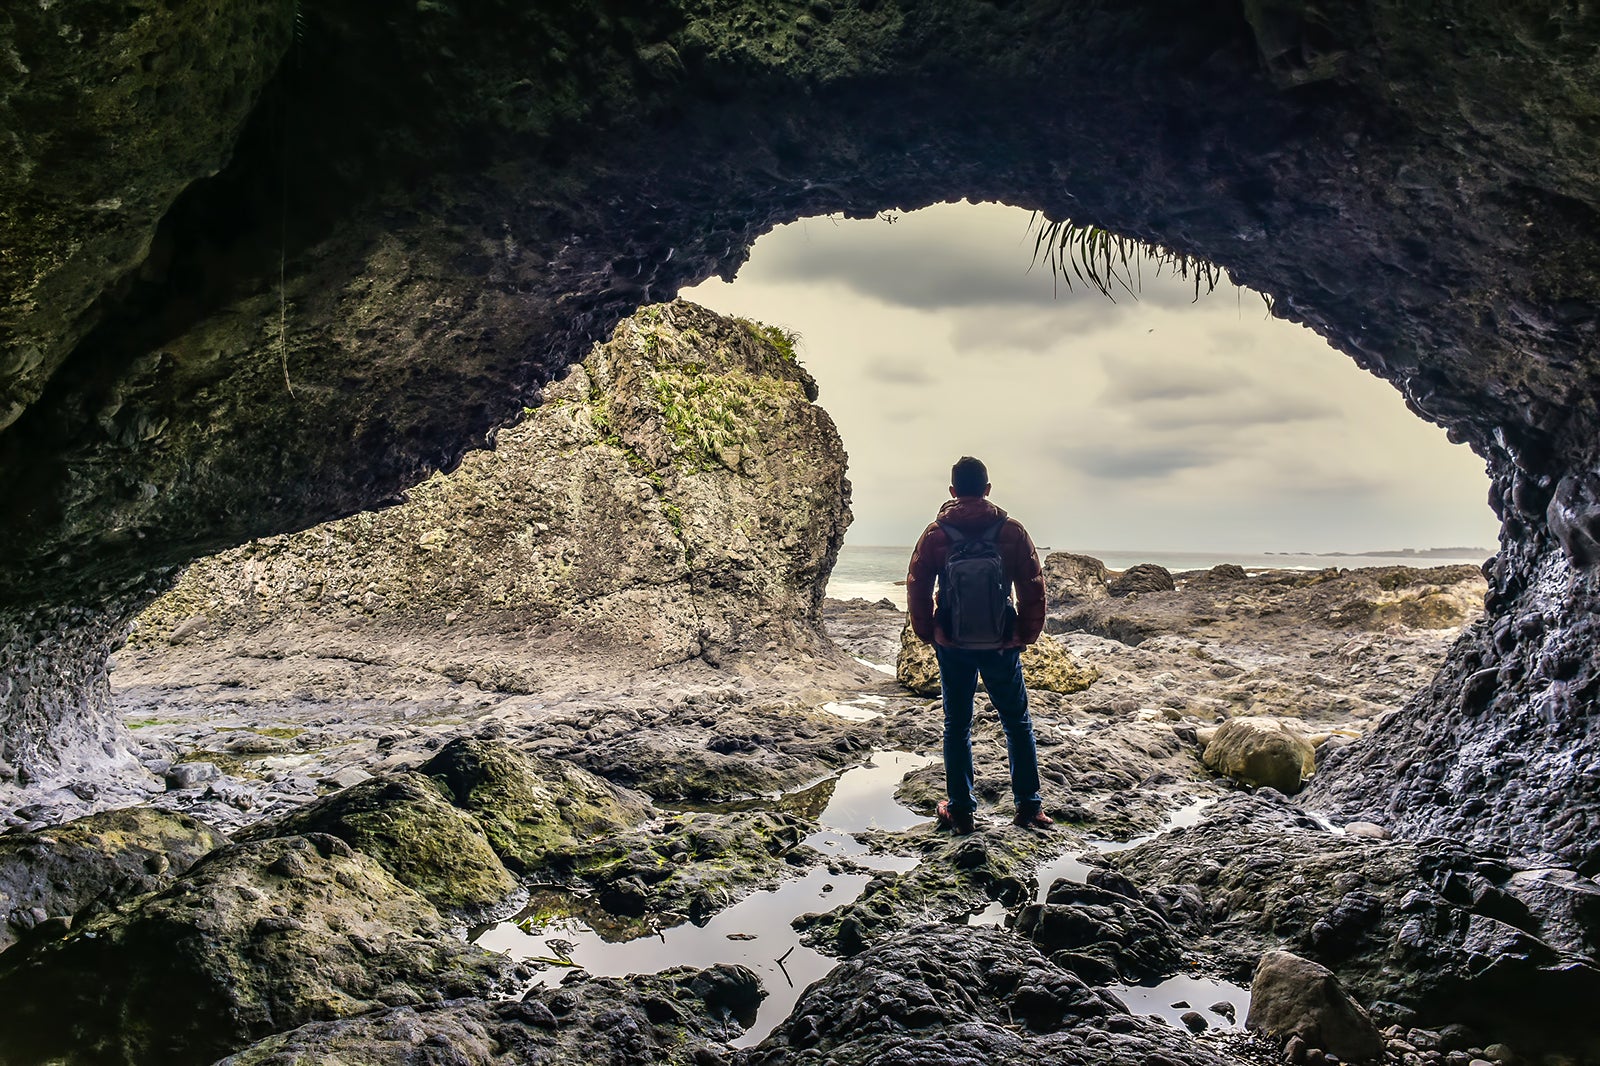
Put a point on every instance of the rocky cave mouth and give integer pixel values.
(475, 197)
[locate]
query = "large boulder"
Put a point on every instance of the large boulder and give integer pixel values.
(678, 494)
(98, 860)
(529, 806)
(256, 938)
(1100, 935)
(405, 824)
(1145, 577)
(952, 994)
(1046, 664)
(1262, 752)
(1291, 996)
(1070, 578)
(678, 1016)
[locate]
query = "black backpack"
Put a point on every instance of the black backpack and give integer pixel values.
(975, 608)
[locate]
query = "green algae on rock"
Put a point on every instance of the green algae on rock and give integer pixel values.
(256, 938)
(405, 824)
(98, 861)
(686, 868)
(528, 806)
(1045, 665)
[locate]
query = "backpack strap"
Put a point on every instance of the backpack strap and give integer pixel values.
(993, 532)
(954, 535)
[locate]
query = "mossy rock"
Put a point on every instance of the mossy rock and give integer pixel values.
(1046, 666)
(1262, 752)
(529, 806)
(97, 861)
(256, 938)
(406, 824)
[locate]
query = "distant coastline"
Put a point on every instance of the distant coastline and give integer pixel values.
(1400, 553)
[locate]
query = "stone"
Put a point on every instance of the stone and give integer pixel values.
(1145, 577)
(1046, 665)
(951, 994)
(1366, 830)
(95, 862)
(1114, 932)
(191, 774)
(233, 950)
(345, 777)
(1262, 752)
(530, 806)
(1069, 578)
(1291, 996)
(677, 1016)
(404, 822)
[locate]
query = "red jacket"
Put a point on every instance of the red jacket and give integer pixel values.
(976, 513)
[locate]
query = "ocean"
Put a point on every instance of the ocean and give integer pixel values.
(870, 571)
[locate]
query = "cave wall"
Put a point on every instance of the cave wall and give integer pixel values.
(424, 213)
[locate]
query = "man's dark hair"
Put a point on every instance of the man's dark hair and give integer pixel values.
(969, 477)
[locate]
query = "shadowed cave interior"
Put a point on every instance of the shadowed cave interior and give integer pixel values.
(385, 235)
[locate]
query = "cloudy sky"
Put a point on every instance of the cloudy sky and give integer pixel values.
(1158, 423)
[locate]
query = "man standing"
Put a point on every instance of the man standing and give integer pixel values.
(977, 554)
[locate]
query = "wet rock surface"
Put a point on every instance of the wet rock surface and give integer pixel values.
(256, 938)
(404, 823)
(946, 994)
(1425, 933)
(529, 806)
(93, 863)
(679, 1017)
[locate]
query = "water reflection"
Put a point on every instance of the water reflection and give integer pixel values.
(1171, 999)
(755, 932)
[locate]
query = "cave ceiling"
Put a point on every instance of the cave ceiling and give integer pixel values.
(271, 262)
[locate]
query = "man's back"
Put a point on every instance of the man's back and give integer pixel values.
(971, 516)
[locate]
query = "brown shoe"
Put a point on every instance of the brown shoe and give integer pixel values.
(959, 823)
(1033, 820)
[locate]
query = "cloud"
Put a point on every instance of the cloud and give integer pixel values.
(1129, 460)
(893, 371)
(1139, 381)
(1240, 414)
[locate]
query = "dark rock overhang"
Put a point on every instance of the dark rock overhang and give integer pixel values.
(421, 216)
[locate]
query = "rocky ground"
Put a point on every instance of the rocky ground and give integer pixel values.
(384, 786)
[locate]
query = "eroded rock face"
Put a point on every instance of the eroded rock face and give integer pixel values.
(677, 495)
(460, 211)
(1425, 932)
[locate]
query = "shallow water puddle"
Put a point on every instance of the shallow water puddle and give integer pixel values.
(864, 708)
(863, 798)
(754, 932)
(1176, 996)
(1071, 866)
(760, 922)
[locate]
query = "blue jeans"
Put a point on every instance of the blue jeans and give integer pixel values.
(1002, 676)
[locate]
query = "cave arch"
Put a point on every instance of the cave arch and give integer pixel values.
(276, 265)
